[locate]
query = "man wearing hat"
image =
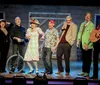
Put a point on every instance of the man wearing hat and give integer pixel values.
(50, 45)
(67, 39)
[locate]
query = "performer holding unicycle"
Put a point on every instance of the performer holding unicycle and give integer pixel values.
(18, 43)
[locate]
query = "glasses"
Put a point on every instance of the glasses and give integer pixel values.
(68, 20)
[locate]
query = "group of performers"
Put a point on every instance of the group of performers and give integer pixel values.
(52, 42)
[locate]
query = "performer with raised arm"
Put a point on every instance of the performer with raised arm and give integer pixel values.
(17, 35)
(32, 51)
(67, 39)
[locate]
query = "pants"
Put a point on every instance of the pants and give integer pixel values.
(21, 52)
(3, 56)
(95, 58)
(46, 57)
(18, 47)
(63, 49)
(86, 59)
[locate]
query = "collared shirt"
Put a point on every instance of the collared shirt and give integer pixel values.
(51, 37)
(86, 34)
(63, 40)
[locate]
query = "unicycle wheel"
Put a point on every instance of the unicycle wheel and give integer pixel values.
(15, 63)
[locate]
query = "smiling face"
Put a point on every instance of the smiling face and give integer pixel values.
(2, 24)
(69, 20)
(51, 24)
(18, 21)
(88, 17)
(33, 25)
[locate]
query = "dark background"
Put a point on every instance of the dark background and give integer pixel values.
(53, 2)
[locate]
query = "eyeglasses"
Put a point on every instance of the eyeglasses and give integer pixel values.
(68, 20)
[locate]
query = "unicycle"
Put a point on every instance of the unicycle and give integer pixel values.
(15, 61)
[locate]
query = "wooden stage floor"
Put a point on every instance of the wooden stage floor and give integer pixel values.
(75, 67)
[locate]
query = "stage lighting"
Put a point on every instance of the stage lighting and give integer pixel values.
(19, 80)
(80, 81)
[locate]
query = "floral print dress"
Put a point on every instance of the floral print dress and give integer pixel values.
(32, 51)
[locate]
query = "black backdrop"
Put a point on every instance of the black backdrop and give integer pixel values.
(53, 2)
(97, 20)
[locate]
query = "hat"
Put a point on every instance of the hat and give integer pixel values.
(68, 18)
(34, 21)
(52, 21)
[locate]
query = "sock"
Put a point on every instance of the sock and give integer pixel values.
(30, 66)
(36, 66)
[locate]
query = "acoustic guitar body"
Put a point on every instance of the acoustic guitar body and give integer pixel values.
(94, 36)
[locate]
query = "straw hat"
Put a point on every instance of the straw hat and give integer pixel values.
(34, 21)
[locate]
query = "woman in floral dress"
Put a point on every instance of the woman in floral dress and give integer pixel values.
(32, 51)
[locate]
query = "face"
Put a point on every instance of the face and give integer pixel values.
(51, 25)
(33, 25)
(69, 21)
(2, 24)
(88, 17)
(18, 21)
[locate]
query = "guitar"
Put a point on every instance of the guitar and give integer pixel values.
(94, 35)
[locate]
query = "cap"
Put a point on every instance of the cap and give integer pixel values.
(52, 21)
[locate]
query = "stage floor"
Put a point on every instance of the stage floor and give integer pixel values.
(75, 67)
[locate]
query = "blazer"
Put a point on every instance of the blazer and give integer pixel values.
(86, 34)
(71, 33)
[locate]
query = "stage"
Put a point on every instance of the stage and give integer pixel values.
(58, 79)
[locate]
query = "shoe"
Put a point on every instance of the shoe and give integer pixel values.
(37, 72)
(12, 70)
(86, 75)
(22, 71)
(49, 72)
(30, 72)
(81, 74)
(58, 72)
(93, 77)
(67, 74)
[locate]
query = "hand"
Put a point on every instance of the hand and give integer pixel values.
(7, 22)
(28, 36)
(78, 42)
(53, 49)
(40, 49)
(86, 47)
(18, 39)
(42, 38)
